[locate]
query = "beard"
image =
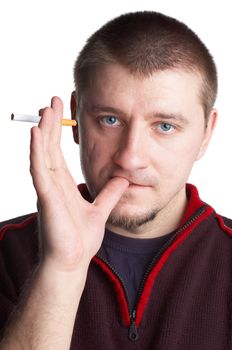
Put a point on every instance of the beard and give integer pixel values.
(131, 223)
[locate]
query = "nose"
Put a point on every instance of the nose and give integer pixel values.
(133, 150)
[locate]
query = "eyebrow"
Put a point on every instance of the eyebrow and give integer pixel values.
(156, 115)
(101, 108)
(171, 116)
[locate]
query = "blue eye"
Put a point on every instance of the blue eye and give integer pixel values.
(166, 127)
(110, 120)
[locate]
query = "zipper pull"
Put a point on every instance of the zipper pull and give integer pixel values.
(133, 331)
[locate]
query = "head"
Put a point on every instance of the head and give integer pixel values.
(145, 90)
(144, 43)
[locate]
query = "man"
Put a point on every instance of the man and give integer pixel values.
(134, 259)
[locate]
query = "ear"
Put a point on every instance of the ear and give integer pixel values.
(73, 107)
(211, 123)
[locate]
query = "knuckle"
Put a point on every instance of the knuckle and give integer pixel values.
(47, 110)
(41, 110)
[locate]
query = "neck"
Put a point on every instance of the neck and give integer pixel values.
(167, 220)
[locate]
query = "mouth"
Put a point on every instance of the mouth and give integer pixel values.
(134, 185)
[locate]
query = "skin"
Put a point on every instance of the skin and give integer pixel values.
(70, 233)
(149, 131)
(134, 169)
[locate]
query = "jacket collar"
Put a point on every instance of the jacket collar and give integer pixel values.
(194, 203)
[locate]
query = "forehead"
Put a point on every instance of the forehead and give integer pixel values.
(114, 85)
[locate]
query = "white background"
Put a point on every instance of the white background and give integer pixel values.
(39, 43)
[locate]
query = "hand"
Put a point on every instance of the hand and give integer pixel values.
(71, 229)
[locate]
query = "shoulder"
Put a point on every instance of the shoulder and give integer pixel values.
(18, 247)
(19, 220)
(224, 223)
(18, 256)
(19, 236)
(24, 223)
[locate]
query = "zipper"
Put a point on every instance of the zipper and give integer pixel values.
(133, 329)
(164, 247)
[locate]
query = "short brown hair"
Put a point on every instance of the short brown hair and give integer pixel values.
(146, 42)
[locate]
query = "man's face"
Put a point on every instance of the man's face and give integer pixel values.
(147, 130)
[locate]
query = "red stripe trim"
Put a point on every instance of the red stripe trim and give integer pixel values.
(17, 226)
(223, 225)
(194, 203)
(163, 259)
(118, 288)
(152, 276)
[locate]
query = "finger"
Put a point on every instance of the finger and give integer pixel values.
(51, 129)
(50, 122)
(50, 126)
(41, 110)
(57, 107)
(46, 125)
(40, 174)
(56, 154)
(111, 194)
(45, 179)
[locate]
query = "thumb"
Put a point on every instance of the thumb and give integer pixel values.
(110, 195)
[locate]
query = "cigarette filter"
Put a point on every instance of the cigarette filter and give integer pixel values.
(36, 119)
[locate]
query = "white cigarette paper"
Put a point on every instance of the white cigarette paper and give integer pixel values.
(36, 119)
(25, 118)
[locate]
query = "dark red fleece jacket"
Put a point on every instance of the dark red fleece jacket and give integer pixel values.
(185, 302)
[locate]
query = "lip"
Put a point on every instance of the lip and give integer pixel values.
(134, 185)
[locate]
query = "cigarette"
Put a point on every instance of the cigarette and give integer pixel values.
(36, 119)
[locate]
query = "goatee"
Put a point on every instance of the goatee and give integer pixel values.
(131, 223)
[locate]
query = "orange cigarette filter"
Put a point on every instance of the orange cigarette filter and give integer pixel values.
(69, 122)
(36, 119)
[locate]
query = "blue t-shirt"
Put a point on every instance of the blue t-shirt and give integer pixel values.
(130, 258)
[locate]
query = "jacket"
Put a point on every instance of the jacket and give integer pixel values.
(185, 301)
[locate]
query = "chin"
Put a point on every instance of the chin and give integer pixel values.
(129, 218)
(126, 209)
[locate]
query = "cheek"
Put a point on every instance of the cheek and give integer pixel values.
(177, 159)
(88, 155)
(95, 156)
(96, 166)
(192, 146)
